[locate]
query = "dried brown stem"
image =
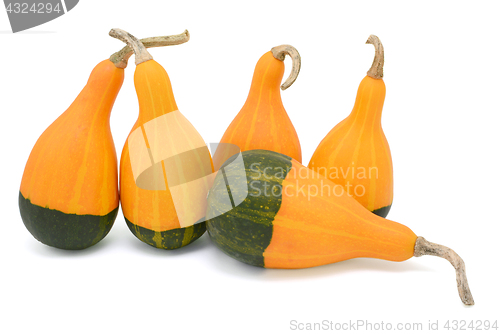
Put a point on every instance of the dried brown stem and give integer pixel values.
(120, 58)
(377, 69)
(140, 51)
(424, 247)
(279, 53)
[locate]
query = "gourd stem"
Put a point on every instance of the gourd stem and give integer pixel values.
(120, 58)
(141, 53)
(279, 52)
(377, 69)
(424, 247)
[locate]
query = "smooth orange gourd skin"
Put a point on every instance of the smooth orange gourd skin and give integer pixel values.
(319, 224)
(356, 154)
(73, 166)
(263, 122)
(151, 214)
(68, 197)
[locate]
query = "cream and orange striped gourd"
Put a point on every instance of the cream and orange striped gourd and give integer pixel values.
(164, 162)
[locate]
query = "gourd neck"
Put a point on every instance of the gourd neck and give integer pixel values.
(266, 81)
(371, 92)
(369, 102)
(154, 91)
(152, 84)
(104, 82)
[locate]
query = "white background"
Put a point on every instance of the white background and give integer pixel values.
(441, 117)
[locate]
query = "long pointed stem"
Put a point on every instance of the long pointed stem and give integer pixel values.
(279, 53)
(424, 247)
(141, 53)
(120, 58)
(377, 69)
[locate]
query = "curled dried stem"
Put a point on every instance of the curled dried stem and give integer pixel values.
(120, 58)
(141, 53)
(279, 52)
(377, 69)
(424, 247)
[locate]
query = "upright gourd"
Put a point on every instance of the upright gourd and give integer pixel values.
(355, 153)
(165, 163)
(69, 190)
(291, 217)
(263, 122)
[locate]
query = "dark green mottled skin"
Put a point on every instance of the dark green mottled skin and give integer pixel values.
(63, 230)
(244, 232)
(171, 239)
(383, 212)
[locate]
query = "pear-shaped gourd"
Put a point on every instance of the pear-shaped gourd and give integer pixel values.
(165, 163)
(263, 122)
(288, 216)
(69, 190)
(355, 153)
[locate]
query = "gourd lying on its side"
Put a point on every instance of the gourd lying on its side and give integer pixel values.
(270, 211)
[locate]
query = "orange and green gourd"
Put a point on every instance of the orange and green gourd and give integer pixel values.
(355, 153)
(290, 217)
(263, 122)
(165, 163)
(69, 190)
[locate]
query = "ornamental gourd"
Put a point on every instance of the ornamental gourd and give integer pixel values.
(164, 162)
(288, 216)
(69, 190)
(263, 122)
(355, 153)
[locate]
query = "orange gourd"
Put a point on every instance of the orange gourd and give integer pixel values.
(284, 215)
(355, 153)
(164, 162)
(69, 190)
(263, 122)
